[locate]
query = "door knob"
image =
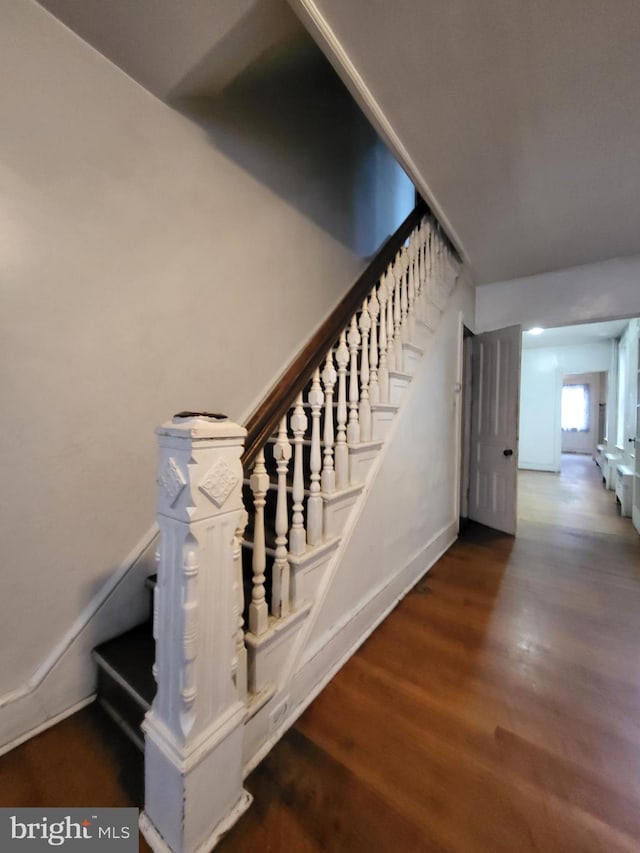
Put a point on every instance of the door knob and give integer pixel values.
(508, 452)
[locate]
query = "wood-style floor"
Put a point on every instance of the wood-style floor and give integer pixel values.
(496, 709)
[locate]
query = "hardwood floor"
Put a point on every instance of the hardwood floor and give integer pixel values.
(496, 709)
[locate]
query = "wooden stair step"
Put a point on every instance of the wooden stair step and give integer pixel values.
(126, 686)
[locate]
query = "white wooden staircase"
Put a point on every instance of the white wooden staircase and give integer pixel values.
(252, 529)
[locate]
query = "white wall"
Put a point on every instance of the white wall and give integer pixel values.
(583, 294)
(540, 393)
(144, 270)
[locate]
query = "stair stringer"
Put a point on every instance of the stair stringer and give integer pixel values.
(330, 634)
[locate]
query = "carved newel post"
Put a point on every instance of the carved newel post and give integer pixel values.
(194, 730)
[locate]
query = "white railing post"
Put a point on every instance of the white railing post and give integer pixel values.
(194, 730)
(329, 375)
(374, 384)
(258, 609)
(391, 347)
(411, 291)
(353, 427)
(341, 449)
(314, 501)
(404, 300)
(364, 411)
(281, 573)
(239, 667)
(397, 316)
(383, 372)
(297, 534)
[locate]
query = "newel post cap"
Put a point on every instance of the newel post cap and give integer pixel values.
(200, 426)
(199, 467)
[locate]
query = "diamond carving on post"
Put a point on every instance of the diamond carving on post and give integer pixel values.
(219, 483)
(172, 480)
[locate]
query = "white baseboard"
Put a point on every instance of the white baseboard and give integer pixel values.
(7, 747)
(537, 466)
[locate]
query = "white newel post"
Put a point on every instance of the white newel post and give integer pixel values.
(194, 730)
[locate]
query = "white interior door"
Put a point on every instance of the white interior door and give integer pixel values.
(494, 428)
(635, 512)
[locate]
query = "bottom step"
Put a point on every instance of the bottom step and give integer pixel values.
(126, 686)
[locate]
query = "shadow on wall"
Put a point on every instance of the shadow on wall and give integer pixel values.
(289, 121)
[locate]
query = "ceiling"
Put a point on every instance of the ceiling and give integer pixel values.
(518, 120)
(582, 334)
(521, 116)
(180, 48)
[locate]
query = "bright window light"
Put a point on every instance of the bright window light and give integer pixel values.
(537, 330)
(575, 408)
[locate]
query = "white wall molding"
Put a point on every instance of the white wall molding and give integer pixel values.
(36, 730)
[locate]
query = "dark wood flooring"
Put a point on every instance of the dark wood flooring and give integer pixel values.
(496, 709)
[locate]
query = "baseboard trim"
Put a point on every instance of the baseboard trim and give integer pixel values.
(47, 724)
(537, 466)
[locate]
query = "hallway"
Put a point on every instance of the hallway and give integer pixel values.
(496, 709)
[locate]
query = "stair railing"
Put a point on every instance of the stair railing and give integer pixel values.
(335, 402)
(351, 361)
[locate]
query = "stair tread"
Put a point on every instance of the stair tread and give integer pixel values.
(131, 656)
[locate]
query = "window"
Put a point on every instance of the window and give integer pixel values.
(575, 408)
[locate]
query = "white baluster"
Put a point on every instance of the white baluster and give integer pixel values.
(383, 373)
(365, 405)
(430, 253)
(397, 315)
(280, 581)
(404, 302)
(422, 266)
(297, 534)
(314, 501)
(342, 451)
(239, 662)
(353, 427)
(391, 347)
(329, 375)
(374, 311)
(411, 291)
(433, 271)
(258, 610)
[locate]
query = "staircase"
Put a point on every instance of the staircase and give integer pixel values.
(309, 455)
